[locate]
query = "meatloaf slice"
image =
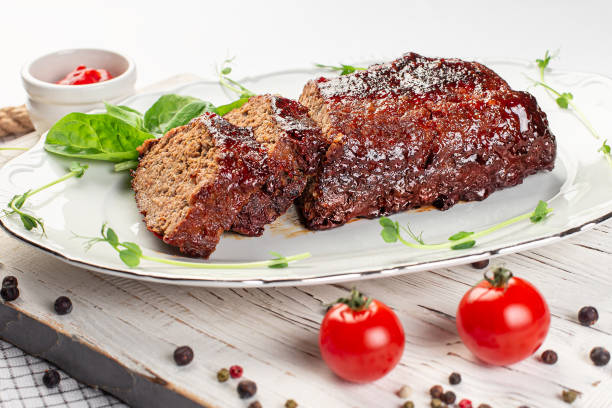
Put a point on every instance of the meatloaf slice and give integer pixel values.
(294, 145)
(191, 183)
(419, 131)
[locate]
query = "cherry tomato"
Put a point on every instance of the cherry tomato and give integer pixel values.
(83, 75)
(503, 320)
(361, 340)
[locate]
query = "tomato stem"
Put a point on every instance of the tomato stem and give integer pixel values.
(357, 301)
(501, 277)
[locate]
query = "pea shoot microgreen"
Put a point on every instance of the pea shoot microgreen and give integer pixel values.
(29, 221)
(229, 83)
(565, 100)
(343, 69)
(13, 148)
(131, 254)
(392, 231)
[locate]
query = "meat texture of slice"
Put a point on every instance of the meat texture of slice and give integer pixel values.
(294, 146)
(192, 183)
(419, 131)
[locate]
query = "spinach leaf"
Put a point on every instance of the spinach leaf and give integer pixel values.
(223, 109)
(126, 114)
(172, 110)
(97, 137)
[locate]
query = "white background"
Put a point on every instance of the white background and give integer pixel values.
(171, 37)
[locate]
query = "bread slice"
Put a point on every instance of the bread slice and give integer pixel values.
(192, 183)
(294, 146)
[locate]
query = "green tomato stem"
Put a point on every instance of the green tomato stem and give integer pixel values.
(243, 265)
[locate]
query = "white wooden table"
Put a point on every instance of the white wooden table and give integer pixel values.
(122, 333)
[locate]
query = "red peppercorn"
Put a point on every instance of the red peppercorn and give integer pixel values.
(465, 403)
(235, 371)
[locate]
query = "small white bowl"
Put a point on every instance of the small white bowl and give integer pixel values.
(48, 102)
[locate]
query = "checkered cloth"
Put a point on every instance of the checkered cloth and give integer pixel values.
(21, 385)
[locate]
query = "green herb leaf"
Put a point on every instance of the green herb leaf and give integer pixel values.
(130, 116)
(223, 109)
(605, 147)
(78, 169)
(172, 110)
(28, 221)
(132, 247)
(126, 165)
(386, 222)
(226, 70)
(460, 235)
(464, 245)
(95, 136)
(563, 100)
(129, 257)
(111, 237)
(343, 69)
(541, 212)
(389, 235)
(543, 63)
(278, 257)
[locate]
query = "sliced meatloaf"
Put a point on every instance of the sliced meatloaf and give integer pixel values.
(419, 131)
(192, 183)
(294, 146)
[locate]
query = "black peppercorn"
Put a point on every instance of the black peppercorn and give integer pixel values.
(51, 378)
(600, 356)
(588, 315)
(454, 378)
(246, 389)
(9, 282)
(436, 403)
(480, 264)
(488, 406)
(255, 404)
(436, 391)
(449, 397)
(549, 357)
(291, 404)
(183, 355)
(9, 294)
(62, 305)
(408, 404)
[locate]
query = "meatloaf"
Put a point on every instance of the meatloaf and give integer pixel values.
(192, 183)
(419, 131)
(294, 146)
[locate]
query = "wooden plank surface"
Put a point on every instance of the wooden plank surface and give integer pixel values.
(121, 333)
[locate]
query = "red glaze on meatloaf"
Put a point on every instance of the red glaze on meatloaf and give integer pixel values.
(419, 131)
(191, 183)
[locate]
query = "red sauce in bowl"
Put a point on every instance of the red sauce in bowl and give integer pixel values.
(83, 75)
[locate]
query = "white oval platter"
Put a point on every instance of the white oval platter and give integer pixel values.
(579, 190)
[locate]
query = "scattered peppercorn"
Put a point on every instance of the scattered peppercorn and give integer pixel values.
(255, 404)
(465, 403)
(404, 392)
(449, 397)
(569, 396)
(223, 375)
(600, 356)
(9, 282)
(183, 355)
(454, 378)
(51, 378)
(588, 315)
(62, 305)
(291, 404)
(235, 371)
(436, 391)
(9, 294)
(436, 403)
(246, 389)
(486, 406)
(480, 264)
(549, 357)
(408, 404)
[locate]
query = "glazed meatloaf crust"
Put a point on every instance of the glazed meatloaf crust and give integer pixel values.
(191, 183)
(419, 131)
(294, 146)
